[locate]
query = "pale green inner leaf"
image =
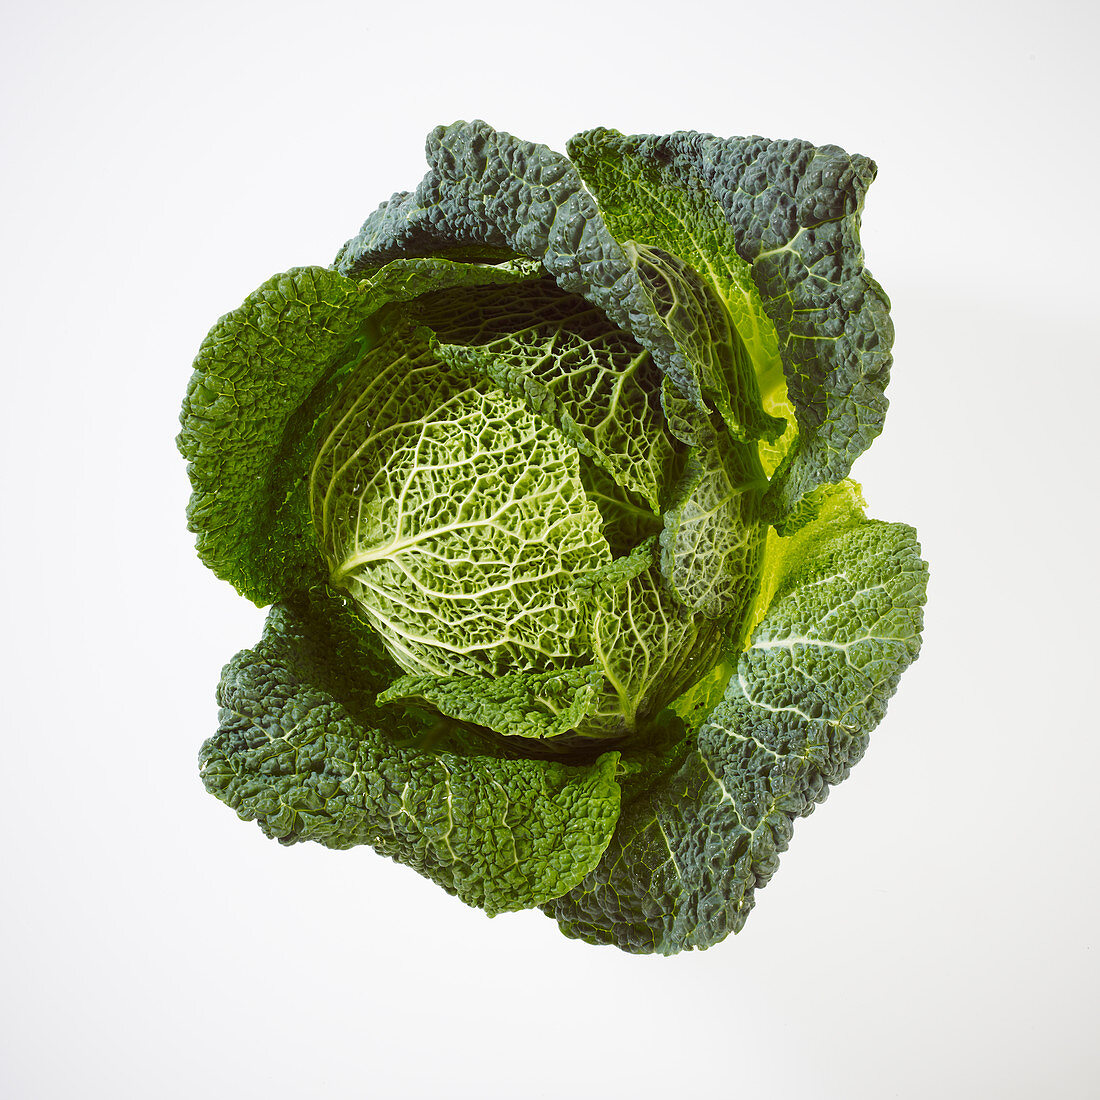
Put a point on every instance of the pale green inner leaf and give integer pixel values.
(453, 516)
(561, 356)
(525, 704)
(647, 643)
(713, 537)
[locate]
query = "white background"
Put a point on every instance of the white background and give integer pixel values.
(933, 929)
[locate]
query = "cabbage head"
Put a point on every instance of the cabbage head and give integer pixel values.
(545, 483)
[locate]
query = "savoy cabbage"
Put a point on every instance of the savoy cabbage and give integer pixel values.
(544, 479)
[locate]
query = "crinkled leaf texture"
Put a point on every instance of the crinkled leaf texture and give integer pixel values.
(571, 605)
(769, 227)
(704, 823)
(303, 750)
(262, 382)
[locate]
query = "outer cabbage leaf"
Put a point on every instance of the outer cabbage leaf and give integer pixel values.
(641, 203)
(703, 824)
(791, 214)
(261, 377)
(263, 380)
(303, 751)
(488, 190)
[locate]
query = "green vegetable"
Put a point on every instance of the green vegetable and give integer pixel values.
(544, 481)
